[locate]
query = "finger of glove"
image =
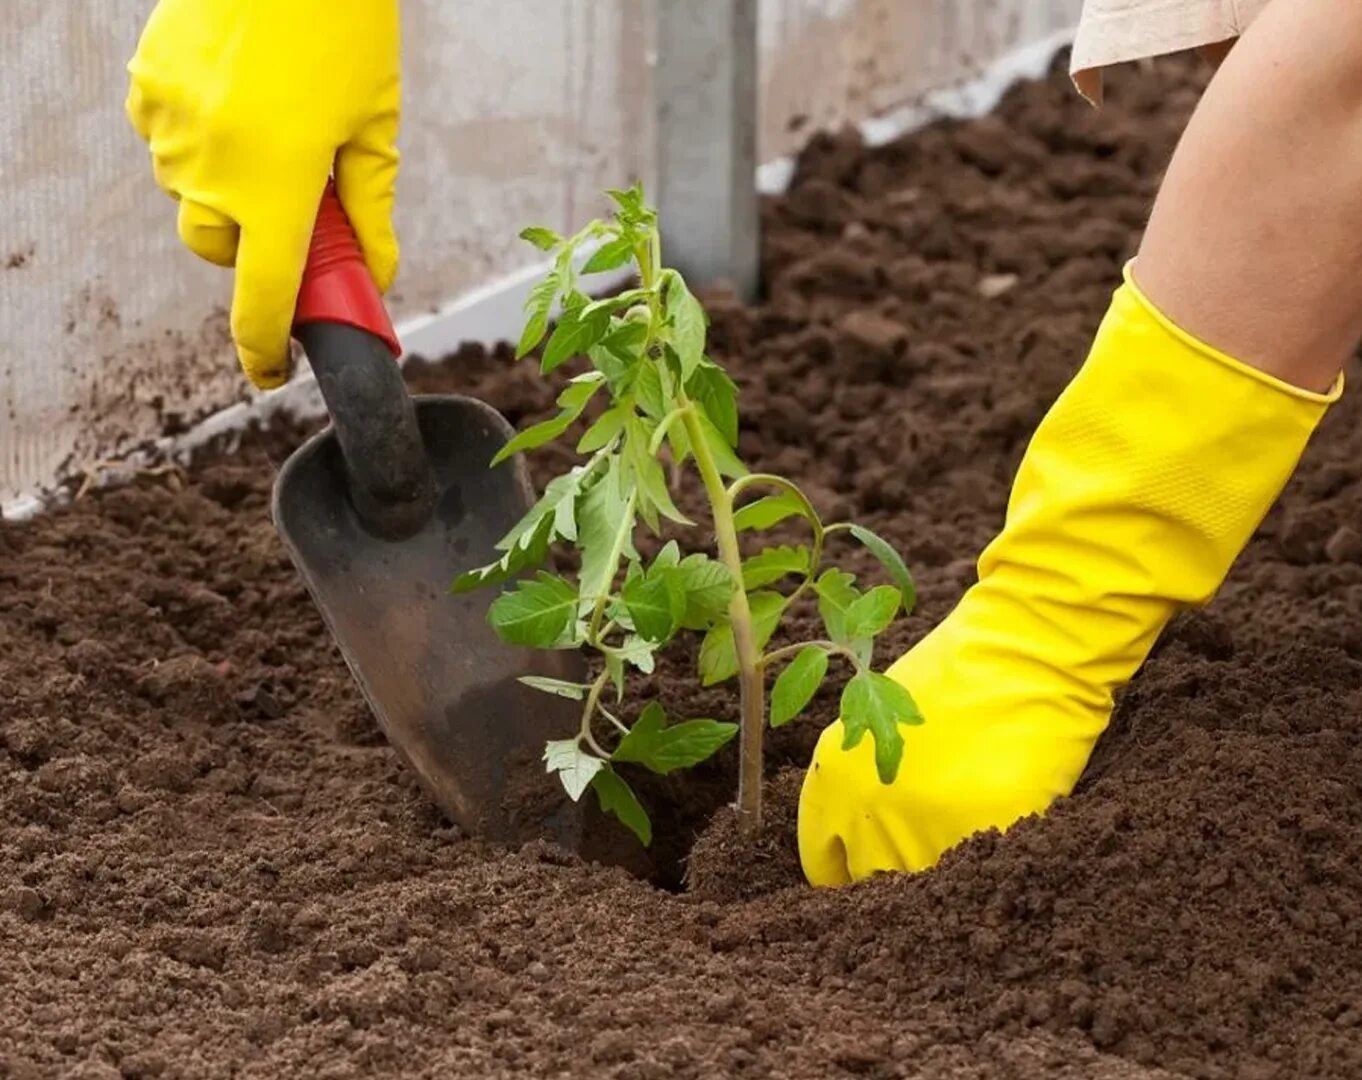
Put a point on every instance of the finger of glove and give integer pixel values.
(270, 257)
(366, 175)
(822, 852)
(207, 233)
(138, 110)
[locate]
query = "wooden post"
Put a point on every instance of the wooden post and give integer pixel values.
(706, 93)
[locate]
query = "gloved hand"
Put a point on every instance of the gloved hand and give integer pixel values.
(1140, 487)
(247, 107)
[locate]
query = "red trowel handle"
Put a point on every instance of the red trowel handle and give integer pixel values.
(337, 287)
(347, 335)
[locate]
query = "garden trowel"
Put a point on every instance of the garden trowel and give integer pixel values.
(380, 512)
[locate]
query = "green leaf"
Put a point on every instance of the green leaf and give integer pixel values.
(718, 652)
(607, 426)
(572, 400)
(572, 690)
(767, 511)
(670, 555)
(724, 459)
(650, 479)
(876, 703)
(537, 308)
(656, 602)
(688, 325)
(797, 684)
(614, 667)
(652, 397)
(709, 588)
(609, 256)
(664, 749)
(871, 613)
(625, 340)
(557, 501)
(836, 593)
(773, 564)
(618, 798)
(573, 336)
(542, 238)
(892, 562)
(575, 767)
(605, 523)
(530, 549)
(614, 303)
(715, 392)
(536, 613)
(629, 200)
(639, 652)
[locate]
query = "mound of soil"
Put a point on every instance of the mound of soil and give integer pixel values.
(211, 865)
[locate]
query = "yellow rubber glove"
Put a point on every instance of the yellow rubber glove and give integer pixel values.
(247, 106)
(1139, 489)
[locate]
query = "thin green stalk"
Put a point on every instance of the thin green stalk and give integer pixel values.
(750, 687)
(830, 647)
(810, 515)
(593, 698)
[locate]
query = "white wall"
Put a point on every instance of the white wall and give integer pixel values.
(516, 111)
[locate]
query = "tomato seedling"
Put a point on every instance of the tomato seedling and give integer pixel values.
(668, 406)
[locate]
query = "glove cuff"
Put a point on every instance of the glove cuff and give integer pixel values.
(1210, 352)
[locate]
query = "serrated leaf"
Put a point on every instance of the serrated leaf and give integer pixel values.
(767, 511)
(662, 749)
(670, 555)
(573, 336)
(536, 613)
(618, 798)
(892, 562)
(559, 495)
(605, 523)
(573, 401)
(725, 460)
(876, 703)
(575, 767)
(629, 200)
(709, 588)
(656, 602)
(718, 652)
(614, 667)
(871, 613)
(712, 389)
(796, 685)
(639, 652)
(688, 325)
(609, 256)
(625, 340)
(773, 564)
(650, 479)
(649, 392)
(614, 303)
(571, 690)
(607, 426)
(537, 308)
(530, 549)
(542, 238)
(836, 593)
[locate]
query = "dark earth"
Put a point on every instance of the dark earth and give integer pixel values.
(211, 865)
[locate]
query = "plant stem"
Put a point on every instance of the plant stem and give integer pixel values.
(830, 647)
(750, 686)
(810, 515)
(593, 698)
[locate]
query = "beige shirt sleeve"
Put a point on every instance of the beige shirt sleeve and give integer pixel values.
(1117, 31)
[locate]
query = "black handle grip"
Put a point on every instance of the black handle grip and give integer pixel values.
(390, 481)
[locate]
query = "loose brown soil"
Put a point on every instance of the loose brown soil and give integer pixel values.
(210, 865)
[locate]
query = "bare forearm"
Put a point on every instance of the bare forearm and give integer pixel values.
(1255, 242)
